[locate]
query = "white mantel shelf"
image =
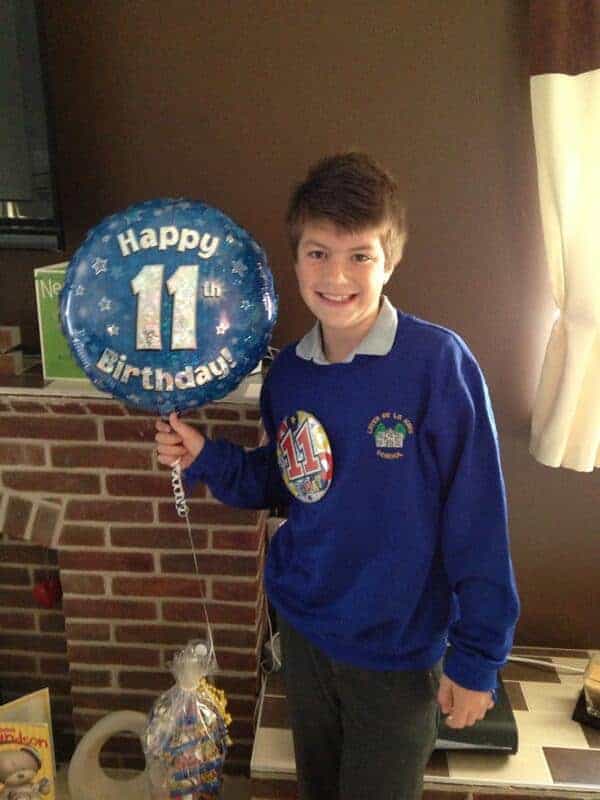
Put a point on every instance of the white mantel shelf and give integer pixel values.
(247, 393)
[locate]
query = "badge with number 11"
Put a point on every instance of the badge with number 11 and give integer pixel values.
(304, 456)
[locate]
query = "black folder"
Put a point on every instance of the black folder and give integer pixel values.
(497, 731)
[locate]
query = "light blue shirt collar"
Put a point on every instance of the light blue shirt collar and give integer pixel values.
(377, 342)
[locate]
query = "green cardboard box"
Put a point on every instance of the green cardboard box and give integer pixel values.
(57, 360)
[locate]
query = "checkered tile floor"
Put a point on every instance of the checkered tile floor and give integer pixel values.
(554, 751)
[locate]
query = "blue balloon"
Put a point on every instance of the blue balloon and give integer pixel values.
(168, 305)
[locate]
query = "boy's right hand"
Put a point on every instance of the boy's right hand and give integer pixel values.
(177, 440)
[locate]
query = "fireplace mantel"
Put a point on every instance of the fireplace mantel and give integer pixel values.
(82, 495)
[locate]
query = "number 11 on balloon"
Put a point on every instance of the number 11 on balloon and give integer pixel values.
(183, 285)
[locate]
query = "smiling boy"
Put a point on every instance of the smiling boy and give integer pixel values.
(402, 547)
(340, 277)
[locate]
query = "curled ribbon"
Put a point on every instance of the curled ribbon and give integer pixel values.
(181, 505)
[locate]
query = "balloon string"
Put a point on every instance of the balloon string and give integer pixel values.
(183, 511)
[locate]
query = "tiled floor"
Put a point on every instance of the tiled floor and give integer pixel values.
(554, 751)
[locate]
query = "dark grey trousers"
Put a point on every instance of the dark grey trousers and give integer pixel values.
(358, 733)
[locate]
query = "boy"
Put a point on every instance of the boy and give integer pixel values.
(396, 540)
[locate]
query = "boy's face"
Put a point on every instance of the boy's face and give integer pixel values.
(340, 277)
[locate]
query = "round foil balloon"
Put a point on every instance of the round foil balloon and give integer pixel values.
(168, 305)
(304, 456)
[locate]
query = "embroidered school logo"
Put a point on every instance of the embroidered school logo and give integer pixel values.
(390, 431)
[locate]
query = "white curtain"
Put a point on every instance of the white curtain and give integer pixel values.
(565, 430)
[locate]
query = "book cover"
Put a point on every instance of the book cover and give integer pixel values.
(27, 765)
(57, 359)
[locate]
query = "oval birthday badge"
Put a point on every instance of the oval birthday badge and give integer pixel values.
(304, 456)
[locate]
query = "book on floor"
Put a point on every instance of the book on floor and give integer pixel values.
(27, 762)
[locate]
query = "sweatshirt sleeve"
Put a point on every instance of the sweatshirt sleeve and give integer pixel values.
(474, 528)
(238, 477)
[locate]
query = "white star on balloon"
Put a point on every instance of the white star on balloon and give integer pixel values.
(106, 239)
(99, 265)
(113, 330)
(104, 304)
(80, 290)
(239, 268)
(222, 328)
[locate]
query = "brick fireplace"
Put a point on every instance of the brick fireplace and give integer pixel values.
(83, 496)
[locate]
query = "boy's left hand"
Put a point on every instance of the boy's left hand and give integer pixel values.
(464, 707)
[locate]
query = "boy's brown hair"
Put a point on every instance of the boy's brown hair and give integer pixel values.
(353, 192)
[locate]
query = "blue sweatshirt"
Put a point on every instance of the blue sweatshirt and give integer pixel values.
(408, 549)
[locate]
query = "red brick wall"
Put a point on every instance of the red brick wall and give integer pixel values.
(81, 478)
(33, 648)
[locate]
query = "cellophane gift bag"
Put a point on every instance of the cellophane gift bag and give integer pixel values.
(186, 739)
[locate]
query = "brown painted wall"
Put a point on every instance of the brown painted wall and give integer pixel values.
(229, 102)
